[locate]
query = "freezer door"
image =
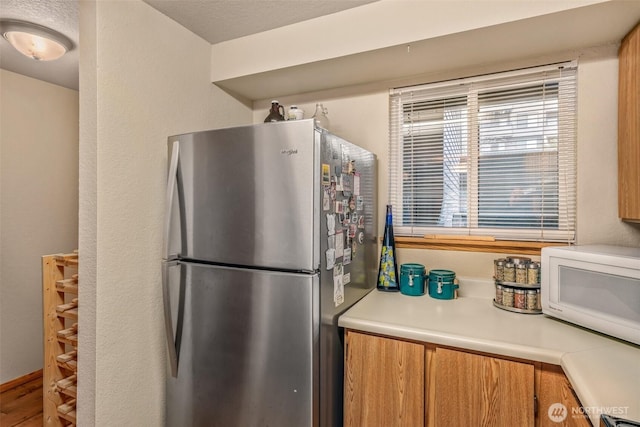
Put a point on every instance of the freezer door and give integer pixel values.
(246, 344)
(245, 196)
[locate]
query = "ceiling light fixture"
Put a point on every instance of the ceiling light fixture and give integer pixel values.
(35, 41)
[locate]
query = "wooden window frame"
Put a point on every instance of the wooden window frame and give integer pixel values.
(473, 244)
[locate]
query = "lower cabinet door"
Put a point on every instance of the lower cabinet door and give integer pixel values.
(476, 390)
(384, 382)
(557, 404)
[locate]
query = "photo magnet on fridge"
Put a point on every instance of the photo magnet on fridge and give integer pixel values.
(356, 184)
(326, 174)
(346, 278)
(346, 160)
(331, 258)
(336, 180)
(338, 285)
(339, 244)
(352, 204)
(331, 242)
(346, 258)
(331, 224)
(347, 184)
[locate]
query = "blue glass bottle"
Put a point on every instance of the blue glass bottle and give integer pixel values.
(388, 270)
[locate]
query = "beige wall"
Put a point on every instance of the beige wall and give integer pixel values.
(143, 77)
(362, 115)
(38, 207)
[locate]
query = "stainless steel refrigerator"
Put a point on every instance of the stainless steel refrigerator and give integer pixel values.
(270, 236)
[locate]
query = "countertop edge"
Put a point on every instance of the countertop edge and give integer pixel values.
(586, 399)
(447, 339)
(579, 368)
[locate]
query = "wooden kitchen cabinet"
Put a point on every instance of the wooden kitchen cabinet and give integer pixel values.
(553, 388)
(384, 382)
(392, 382)
(629, 127)
(476, 390)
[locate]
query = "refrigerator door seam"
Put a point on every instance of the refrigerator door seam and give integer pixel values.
(248, 267)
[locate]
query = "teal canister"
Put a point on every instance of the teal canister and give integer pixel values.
(412, 277)
(442, 284)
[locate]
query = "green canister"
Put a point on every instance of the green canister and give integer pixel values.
(442, 284)
(412, 279)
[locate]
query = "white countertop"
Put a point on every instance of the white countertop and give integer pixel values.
(604, 372)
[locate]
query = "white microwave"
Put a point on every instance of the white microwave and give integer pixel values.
(594, 286)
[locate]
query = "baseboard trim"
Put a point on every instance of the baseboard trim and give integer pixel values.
(20, 380)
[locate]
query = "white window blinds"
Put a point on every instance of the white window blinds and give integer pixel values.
(491, 155)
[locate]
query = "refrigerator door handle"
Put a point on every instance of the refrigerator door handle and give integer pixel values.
(172, 182)
(168, 321)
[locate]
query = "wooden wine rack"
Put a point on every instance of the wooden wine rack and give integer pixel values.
(60, 302)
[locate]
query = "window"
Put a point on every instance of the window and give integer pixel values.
(492, 155)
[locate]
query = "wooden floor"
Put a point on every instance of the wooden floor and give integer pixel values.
(22, 405)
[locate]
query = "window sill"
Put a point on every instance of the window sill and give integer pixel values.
(474, 244)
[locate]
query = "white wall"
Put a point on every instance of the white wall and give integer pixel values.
(374, 26)
(362, 115)
(598, 156)
(38, 207)
(143, 77)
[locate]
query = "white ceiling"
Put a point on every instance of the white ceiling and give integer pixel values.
(220, 20)
(213, 20)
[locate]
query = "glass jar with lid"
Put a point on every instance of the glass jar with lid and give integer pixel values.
(507, 296)
(320, 117)
(499, 294)
(521, 273)
(509, 272)
(498, 269)
(532, 299)
(519, 298)
(533, 273)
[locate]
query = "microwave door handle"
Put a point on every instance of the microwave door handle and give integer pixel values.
(172, 187)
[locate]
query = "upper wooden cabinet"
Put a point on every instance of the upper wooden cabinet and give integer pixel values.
(629, 127)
